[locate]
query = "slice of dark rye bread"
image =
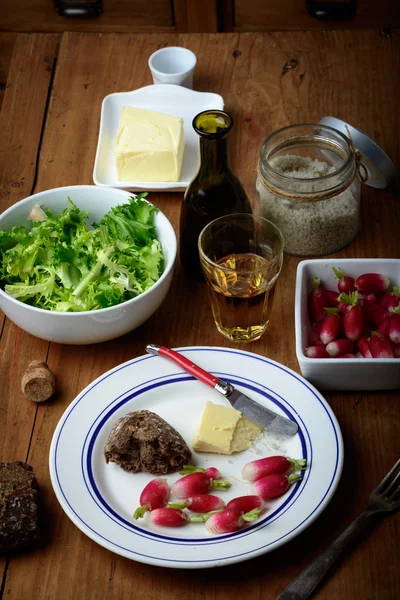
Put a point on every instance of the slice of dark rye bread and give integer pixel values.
(143, 441)
(18, 506)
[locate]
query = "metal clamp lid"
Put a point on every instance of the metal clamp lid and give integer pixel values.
(380, 168)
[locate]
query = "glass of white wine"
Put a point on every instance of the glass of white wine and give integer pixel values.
(241, 256)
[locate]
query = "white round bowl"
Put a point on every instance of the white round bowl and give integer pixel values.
(88, 327)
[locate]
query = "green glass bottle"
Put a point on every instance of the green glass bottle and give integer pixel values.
(215, 191)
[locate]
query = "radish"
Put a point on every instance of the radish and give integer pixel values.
(230, 520)
(372, 282)
(317, 301)
(353, 318)
(211, 472)
(363, 346)
(314, 338)
(353, 321)
(330, 327)
(345, 283)
(256, 469)
(246, 504)
(339, 347)
(331, 297)
(384, 327)
(316, 352)
(348, 355)
(342, 307)
(396, 350)
(201, 503)
(370, 297)
(374, 312)
(272, 486)
(380, 346)
(169, 517)
(197, 483)
(390, 300)
(394, 327)
(154, 495)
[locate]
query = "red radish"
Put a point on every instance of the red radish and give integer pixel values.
(339, 347)
(316, 352)
(380, 346)
(197, 483)
(390, 300)
(394, 327)
(384, 327)
(342, 307)
(372, 282)
(230, 520)
(396, 350)
(317, 301)
(370, 297)
(201, 503)
(348, 355)
(154, 495)
(353, 322)
(331, 297)
(256, 469)
(169, 517)
(363, 346)
(374, 312)
(211, 472)
(353, 319)
(345, 283)
(246, 504)
(314, 338)
(272, 486)
(330, 328)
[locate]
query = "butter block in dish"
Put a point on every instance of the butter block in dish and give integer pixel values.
(149, 146)
(224, 430)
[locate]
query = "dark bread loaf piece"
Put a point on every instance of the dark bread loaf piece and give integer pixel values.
(18, 506)
(143, 441)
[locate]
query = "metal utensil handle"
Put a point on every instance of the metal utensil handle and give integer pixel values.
(185, 363)
(305, 583)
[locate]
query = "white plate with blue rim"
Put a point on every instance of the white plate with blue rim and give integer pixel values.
(101, 498)
(169, 99)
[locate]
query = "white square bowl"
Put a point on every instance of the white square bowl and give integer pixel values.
(342, 373)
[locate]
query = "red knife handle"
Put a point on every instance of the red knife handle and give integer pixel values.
(183, 362)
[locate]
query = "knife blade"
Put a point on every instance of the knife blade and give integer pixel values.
(250, 408)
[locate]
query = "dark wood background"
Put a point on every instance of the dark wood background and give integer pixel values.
(194, 16)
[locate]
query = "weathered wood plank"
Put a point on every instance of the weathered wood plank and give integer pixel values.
(26, 65)
(21, 121)
(247, 70)
(7, 41)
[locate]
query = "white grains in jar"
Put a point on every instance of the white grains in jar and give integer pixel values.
(307, 185)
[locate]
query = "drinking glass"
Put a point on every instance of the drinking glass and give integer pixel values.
(241, 257)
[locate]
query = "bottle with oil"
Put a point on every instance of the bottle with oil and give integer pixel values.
(214, 192)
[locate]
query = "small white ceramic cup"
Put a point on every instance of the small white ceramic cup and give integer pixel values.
(173, 65)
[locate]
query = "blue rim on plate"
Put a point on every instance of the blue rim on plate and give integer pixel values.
(104, 419)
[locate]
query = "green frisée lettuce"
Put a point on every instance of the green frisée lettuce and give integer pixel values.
(62, 264)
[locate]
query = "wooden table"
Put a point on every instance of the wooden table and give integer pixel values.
(49, 124)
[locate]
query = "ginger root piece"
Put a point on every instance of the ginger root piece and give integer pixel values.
(38, 383)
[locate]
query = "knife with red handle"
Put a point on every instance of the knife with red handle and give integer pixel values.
(251, 409)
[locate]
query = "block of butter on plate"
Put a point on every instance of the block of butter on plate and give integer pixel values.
(149, 146)
(224, 430)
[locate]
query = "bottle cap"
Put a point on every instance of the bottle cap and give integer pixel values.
(380, 168)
